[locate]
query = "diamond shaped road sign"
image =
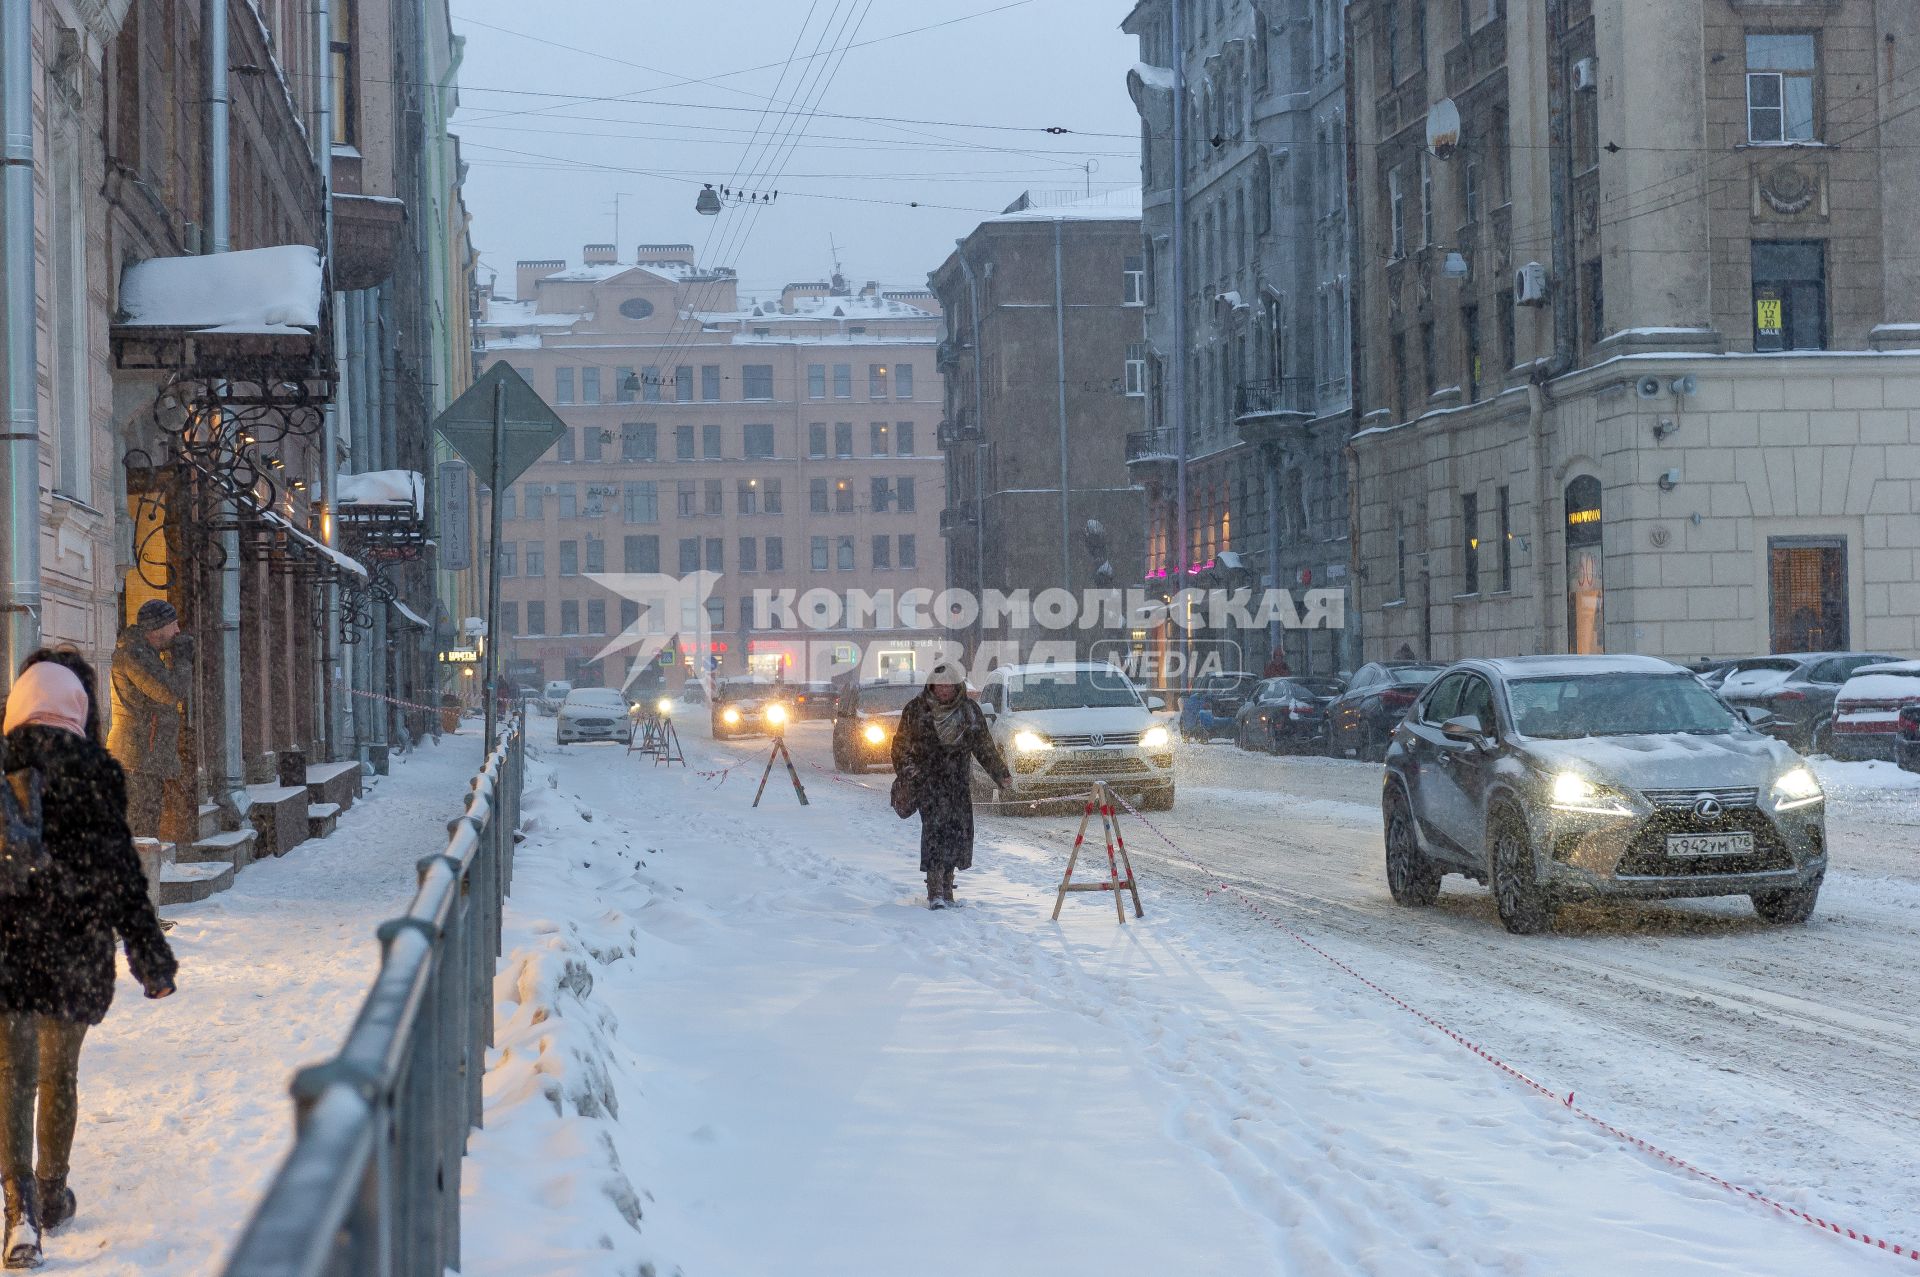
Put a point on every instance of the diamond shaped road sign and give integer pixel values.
(531, 427)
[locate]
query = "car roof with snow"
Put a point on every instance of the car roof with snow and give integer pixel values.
(1889, 667)
(1572, 666)
(1050, 668)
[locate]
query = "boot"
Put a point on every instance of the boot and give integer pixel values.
(22, 1246)
(936, 898)
(946, 885)
(56, 1202)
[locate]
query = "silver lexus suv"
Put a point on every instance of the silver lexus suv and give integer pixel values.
(1557, 778)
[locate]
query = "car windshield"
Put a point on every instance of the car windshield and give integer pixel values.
(1415, 677)
(1616, 705)
(891, 697)
(1072, 689)
(742, 687)
(597, 696)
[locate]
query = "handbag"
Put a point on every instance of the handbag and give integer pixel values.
(23, 852)
(905, 802)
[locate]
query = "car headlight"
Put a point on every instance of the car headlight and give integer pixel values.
(730, 716)
(1574, 792)
(1027, 741)
(1153, 738)
(1796, 788)
(875, 734)
(776, 714)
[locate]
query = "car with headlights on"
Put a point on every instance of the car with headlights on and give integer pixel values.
(1060, 727)
(591, 713)
(1561, 778)
(866, 721)
(749, 707)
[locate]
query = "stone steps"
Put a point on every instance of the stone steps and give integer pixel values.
(234, 847)
(280, 815)
(189, 883)
(321, 819)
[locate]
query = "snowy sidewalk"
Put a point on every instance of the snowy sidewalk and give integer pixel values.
(184, 1113)
(734, 1041)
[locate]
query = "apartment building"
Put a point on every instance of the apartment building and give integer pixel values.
(784, 444)
(1635, 326)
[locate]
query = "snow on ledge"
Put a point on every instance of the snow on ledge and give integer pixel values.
(268, 291)
(384, 487)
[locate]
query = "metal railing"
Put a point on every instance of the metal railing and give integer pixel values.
(1152, 445)
(1284, 395)
(372, 1186)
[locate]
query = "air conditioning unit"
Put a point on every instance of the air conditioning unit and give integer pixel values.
(1585, 77)
(1530, 285)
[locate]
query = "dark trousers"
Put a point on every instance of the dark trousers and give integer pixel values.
(39, 1059)
(157, 807)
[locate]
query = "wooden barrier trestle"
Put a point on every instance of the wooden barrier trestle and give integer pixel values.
(1101, 801)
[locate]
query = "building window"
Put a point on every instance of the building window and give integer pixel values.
(770, 495)
(1133, 282)
(630, 613)
(711, 504)
(569, 500)
(683, 443)
(683, 498)
(639, 441)
(1470, 336)
(1135, 375)
(843, 496)
(817, 439)
(640, 554)
(1593, 288)
(1586, 633)
(596, 555)
(903, 438)
(536, 502)
(1509, 337)
(1789, 295)
(1470, 543)
(536, 618)
(817, 501)
(340, 51)
(1403, 398)
(903, 381)
(844, 553)
(907, 557)
(843, 381)
(710, 442)
(1470, 191)
(589, 385)
(756, 381)
(510, 619)
(1780, 87)
(776, 554)
(882, 553)
(1390, 20)
(643, 502)
(1504, 545)
(569, 558)
(1807, 580)
(843, 438)
(749, 554)
(877, 438)
(563, 385)
(1429, 358)
(536, 558)
(716, 554)
(569, 616)
(816, 381)
(1426, 199)
(716, 614)
(1396, 214)
(563, 447)
(683, 384)
(1400, 556)
(746, 495)
(876, 381)
(592, 441)
(709, 381)
(903, 494)
(650, 385)
(508, 504)
(880, 493)
(596, 616)
(508, 558)
(623, 385)
(819, 554)
(689, 555)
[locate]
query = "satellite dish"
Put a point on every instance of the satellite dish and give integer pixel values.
(1443, 128)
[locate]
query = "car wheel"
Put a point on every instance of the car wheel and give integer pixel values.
(1412, 878)
(1785, 907)
(1525, 908)
(1373, 746)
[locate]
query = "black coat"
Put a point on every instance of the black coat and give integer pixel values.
(56, 939)
(940, 775)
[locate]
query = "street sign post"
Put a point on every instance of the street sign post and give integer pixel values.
(501, 426)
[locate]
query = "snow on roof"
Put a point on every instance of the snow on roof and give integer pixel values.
(1577, 666)
(1113, 206)
(313, 543)
(258, 290)
(505, 312)
(613, 270)
(411, 615)
(1154, 77)
(815, 309)
(384, 487)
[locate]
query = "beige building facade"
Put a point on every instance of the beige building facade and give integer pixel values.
(783, 445)
(1635, 327)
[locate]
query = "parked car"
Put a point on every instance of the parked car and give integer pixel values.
(1867, 712)
(749, 707)
(554, 696)
(1711, 672)
(867, 717)
(1212, 707)
(1908, 746)
(1287, 713)
(1062, 727)
(1360, 721)
(1796, 689)
(814, 700)
(592, 713)
(1560, 778)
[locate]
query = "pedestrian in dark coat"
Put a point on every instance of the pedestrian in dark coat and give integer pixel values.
(57, 936)
(152, 677)
(942, 733)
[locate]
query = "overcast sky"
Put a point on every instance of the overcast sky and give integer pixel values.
(854, 139)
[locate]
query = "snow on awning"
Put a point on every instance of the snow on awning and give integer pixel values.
(412, 617)
(402, 488)
(351, 565)
(266, 291)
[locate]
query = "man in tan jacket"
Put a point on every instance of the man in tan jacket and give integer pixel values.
(152, 679)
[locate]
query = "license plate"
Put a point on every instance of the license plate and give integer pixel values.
(1101, 755)
(1691, 845)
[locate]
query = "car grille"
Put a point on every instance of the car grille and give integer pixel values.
(1112, 740)
(1684, 799)
(593, 722)
(1071, 766)
(1646, 856)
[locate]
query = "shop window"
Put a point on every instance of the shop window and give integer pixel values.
(1585, 585)
(1807, 586)
(1789, 295)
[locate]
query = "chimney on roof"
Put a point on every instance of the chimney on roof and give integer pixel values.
(599, 255)
(527, 273)
(664, 254)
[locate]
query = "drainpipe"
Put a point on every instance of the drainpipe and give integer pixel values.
(1354, 639)
(1060, 362)
(384, 456)
(20, 458)
(980, 418)
(1270, 484)
(219, 240)
(330, 435)
(1177, 396)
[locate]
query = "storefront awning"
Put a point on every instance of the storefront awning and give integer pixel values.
(255, 318)
(317, 547)
(412, 617)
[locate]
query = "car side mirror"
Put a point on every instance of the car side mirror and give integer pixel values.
(1466, 729)
(1755, 715)
(1155, 703)
(989, 711)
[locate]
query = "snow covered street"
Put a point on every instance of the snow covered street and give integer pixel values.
(184, 1112)
(734, 1041)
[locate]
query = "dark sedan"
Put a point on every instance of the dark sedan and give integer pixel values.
(814, 700)
(864, 727)
(1360, 721)
(1796, 689)
(1287, 713)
